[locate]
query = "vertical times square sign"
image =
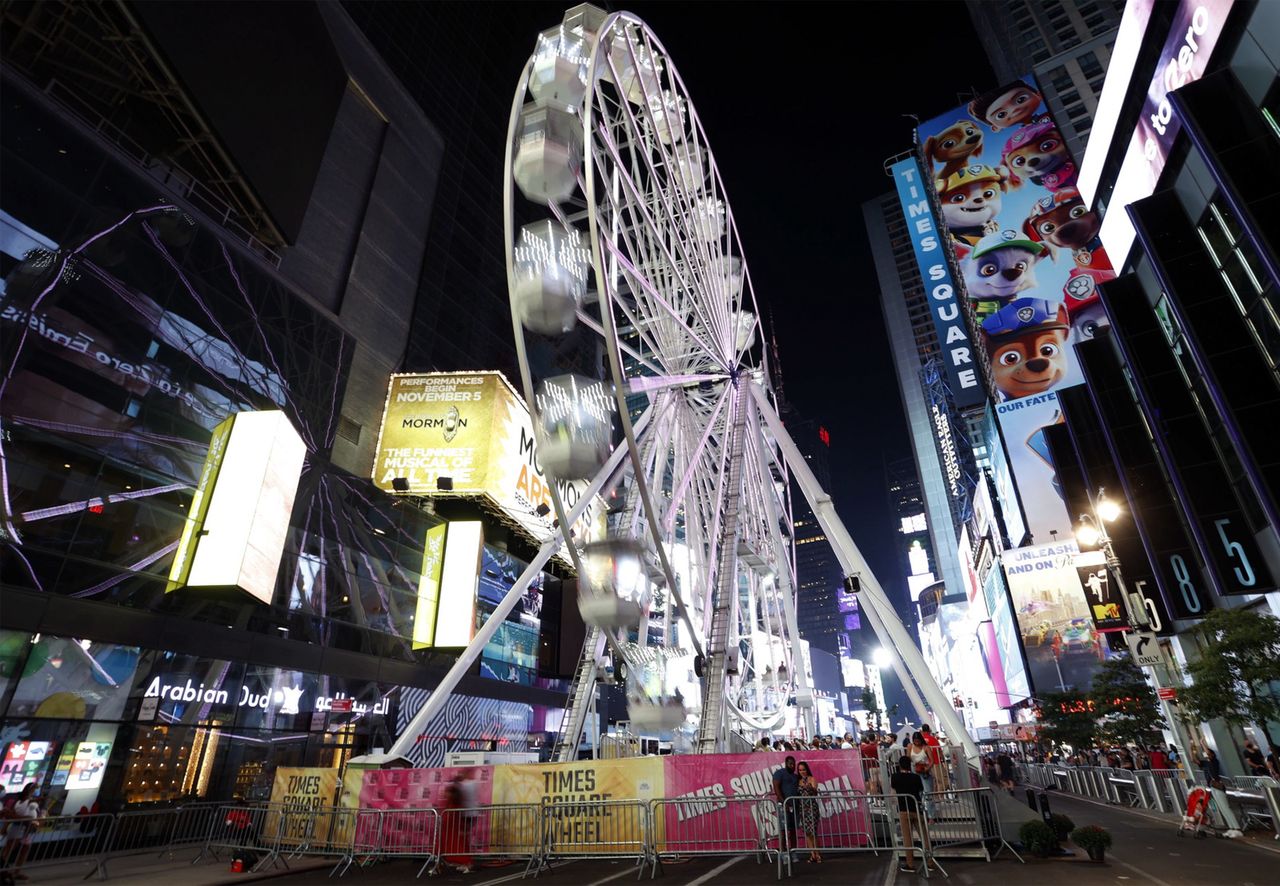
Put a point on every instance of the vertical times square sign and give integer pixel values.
(944, 304)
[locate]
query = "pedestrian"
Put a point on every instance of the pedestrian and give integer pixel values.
(1174, 757)
(810, 813)
(1159, 759)
(1273, 765)
(922, 765)
(1253, 759)
(909, 788)
(935, 755)
(1005, 764)
(1211, 768)
(23, 819)
(455, 849)
(764, 744)
(786, 784)
(870, 752)
(847, 744)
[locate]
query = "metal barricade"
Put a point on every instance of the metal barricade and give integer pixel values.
(715, 826)
(326, 831)
(847, 823)
(511, 832)
(247, 830)
(57, 840)
(965, 823)
(597, 829)
(398, 833)
(192, 825)
(141, 832)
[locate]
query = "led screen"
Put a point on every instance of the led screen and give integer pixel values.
(512, 653)
(1064, 649)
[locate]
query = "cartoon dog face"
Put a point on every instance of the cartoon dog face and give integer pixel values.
(972, 205)
(1037, 157)
(953, 146)
(1086, 322)
(1010, 105)
(1001, 273)
(1063, 221)
(1031, 364)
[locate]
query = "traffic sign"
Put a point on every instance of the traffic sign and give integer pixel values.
(1145, 648)
(1167, 693)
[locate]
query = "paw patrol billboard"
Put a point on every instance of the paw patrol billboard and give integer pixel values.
(1026, 244)
(1028, 250)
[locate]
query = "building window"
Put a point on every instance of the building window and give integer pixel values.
(1090, 65)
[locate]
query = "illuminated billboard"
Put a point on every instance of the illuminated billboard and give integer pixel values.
(1064, 649)
(1026, 244)
(1023, 423)
(1192, 36)
(239, 514)
(1007, 639)
(456, 620)
(958, 355)
(1006, 493)
(428, 606)
(474, 431)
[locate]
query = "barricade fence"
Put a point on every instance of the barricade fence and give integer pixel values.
(268, 835)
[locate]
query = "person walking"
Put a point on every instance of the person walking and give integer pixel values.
(1159, 759)
(809, 813)
(23, 820)
(870, 752)
(909, 788)
(786, 784)
(1211, 768)
(922, 765)
(1253, 759)
(455, 846)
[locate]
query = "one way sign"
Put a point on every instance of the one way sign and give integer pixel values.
(1145, 649)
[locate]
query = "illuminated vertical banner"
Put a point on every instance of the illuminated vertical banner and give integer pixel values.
(240, 513)
(456, 621)
(424, 619)
(944, 304)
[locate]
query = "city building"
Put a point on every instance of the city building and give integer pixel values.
(1066, 44)
(183, 240)
(826, 613)
(1178, 418)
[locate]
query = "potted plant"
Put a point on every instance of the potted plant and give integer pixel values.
(1039, 839)
(1062, 825)
(1093, 840)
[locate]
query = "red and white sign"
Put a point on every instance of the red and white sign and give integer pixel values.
(341, 705)
(1167, 693)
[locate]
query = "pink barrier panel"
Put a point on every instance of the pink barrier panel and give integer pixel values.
(419, 789)
(699, 786)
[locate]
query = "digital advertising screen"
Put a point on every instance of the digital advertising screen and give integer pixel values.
(511, 655)
(1063, 646)
(24, 761)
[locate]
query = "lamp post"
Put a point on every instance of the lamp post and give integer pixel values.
(1092, 531)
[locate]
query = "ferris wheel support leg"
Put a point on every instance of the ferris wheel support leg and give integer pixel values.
(804, 692)
(902, 649)
(440, 695)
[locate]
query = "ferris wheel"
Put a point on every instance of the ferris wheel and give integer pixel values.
(623, 237)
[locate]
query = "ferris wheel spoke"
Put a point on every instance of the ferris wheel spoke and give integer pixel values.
(695, 458)
(646, 217)
(690, 230)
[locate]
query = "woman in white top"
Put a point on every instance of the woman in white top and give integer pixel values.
(25, 815)
(922, 765)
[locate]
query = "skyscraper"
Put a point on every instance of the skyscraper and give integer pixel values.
(1065, 43)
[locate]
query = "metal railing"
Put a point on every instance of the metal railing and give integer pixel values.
(266, 835)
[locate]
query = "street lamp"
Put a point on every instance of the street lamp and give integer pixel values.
(1092, 530)
(881, 657)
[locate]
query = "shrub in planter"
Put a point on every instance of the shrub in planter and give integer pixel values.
(1038, 837)
(1062, 825)
(1092, 839)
